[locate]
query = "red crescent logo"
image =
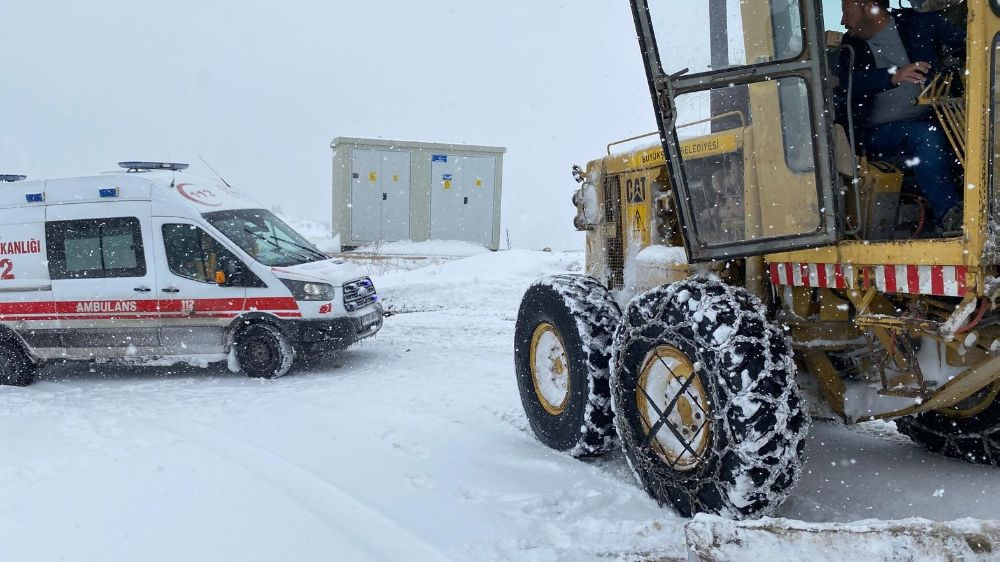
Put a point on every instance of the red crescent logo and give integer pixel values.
(200, 195)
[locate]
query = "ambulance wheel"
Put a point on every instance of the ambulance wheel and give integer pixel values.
(706, 405)
(562, 346)
(262, 351)
(15, 367)
(969, 431)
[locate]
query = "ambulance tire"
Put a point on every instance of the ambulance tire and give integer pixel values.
(263, 351)
(16, 369)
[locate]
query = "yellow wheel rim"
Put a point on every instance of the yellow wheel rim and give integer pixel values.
(671, 399)
(550, 368)
(973, 405)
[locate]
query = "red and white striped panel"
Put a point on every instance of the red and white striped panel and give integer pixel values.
(822, 275)
(940, 280)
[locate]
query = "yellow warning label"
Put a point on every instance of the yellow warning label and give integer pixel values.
(372, 177)
(639, 224)
(447, 184)
(395, 178)
(637, 211)
(479, 182)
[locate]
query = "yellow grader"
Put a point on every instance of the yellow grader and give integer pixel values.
(755, 251)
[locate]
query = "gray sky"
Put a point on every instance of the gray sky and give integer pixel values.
(260, 89)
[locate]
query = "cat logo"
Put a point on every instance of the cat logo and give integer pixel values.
(636, 192)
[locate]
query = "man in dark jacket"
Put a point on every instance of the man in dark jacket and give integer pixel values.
(891, 66)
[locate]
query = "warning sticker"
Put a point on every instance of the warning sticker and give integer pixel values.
(372, 177)
(447, 184)
(395, 177)
(479, 182)
(636, 191)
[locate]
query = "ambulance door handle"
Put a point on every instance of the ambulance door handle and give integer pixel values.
(143, 289)
(171, 290)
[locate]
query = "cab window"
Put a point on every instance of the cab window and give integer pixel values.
(832, 14)
(193, 253)
(95, 248)
(726, 33)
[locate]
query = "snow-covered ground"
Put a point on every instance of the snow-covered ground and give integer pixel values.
(432, 248)
(411, 446)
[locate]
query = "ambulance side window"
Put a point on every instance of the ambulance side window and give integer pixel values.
(95, 248)
(192, 252)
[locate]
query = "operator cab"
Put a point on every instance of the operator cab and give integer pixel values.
(744, 96)
(882, 199)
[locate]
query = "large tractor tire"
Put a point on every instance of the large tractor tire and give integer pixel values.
(705, 400)
(562, 346)
(968, 431)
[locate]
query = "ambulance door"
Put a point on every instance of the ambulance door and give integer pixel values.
(25, 289)
(195, 308)
(103, 280)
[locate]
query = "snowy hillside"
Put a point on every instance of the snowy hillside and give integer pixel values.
(411, 446)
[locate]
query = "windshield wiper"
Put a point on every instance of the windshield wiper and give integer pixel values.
(312, 251)
(303, 257)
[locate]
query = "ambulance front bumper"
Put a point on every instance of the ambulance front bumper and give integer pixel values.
(317, 336)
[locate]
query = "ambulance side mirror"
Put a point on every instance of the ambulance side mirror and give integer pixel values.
(228, 273)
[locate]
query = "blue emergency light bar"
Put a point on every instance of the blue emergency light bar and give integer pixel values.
(10, 178)
(134, 166)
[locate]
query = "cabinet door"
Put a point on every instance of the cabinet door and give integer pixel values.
(366, 195)
(477, 192)
(103, 278)
(395, 182)
(446, 198)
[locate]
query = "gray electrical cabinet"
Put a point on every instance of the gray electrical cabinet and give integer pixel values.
(386, 191)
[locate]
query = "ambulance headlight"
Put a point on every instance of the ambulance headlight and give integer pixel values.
(309, 291)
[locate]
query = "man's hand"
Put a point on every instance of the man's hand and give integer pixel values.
(913, 73)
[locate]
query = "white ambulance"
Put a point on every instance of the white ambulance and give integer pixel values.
(148, 264)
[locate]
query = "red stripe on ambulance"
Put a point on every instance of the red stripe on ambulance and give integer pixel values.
(284, 307)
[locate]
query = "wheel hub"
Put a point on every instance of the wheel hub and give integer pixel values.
(674, 408)
(260, 353)
(550, 368)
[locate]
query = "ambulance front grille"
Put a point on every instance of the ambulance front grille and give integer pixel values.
(359, 294)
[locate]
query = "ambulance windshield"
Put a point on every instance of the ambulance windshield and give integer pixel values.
(264, 236)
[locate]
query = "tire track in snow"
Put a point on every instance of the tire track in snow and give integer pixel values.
(364, 526)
